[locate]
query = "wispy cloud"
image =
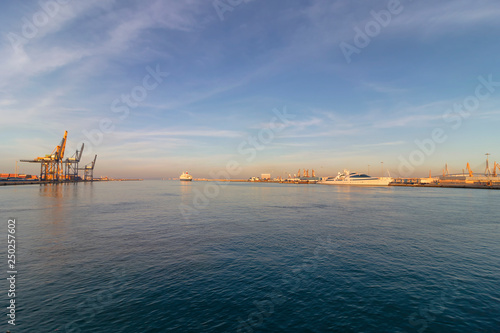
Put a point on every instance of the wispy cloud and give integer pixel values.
(450, 14)
(384, 88)
(7, 102)
(381, 144)
(407, 121)
(134, 135)
(112, 34)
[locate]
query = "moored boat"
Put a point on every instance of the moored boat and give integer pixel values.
(354, 178)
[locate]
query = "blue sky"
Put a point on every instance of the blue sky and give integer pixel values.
(70, 65)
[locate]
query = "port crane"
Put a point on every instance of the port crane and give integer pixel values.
(471, 174)
(71, 165)
(445, 170)
(88, 170)
(495, 169)
(487, 171)
(51, 165)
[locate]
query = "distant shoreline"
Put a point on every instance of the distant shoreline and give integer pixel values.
(41, 182)
(486, 186)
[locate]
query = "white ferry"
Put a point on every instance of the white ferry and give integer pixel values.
(185, 177)
(353, 178)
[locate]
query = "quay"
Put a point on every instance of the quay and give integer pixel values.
(283, 181)
(491, 186)
(21, 182)
(45, 182)
(476, 182)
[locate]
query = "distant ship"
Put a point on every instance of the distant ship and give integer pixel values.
(353, 178)
(186, 177)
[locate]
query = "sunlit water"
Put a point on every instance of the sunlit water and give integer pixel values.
(159, 256)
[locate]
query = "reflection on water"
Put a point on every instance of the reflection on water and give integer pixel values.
(185, 184)
(51, 190)
(186, 192)
(51, 196)
(61, 208)
(66, 190)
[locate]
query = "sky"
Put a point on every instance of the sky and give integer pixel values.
(155, 88)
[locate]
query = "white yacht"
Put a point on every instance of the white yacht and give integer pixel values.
(185, 177)
(353, 178)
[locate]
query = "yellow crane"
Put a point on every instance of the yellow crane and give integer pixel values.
(471, 174)
(495, 169)
(62, 146)
(51, 165)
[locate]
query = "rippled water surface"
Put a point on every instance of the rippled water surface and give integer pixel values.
(157, 256)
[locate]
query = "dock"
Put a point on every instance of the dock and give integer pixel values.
(475, 182)
(283, 181)
(21, 182)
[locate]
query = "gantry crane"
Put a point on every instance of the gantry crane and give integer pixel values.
(495, 169)
(71, 165)
(88, 170)
(51, 166)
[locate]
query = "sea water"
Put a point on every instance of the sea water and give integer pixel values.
(169, 256)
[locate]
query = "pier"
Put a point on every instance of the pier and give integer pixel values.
(478, 185)
(20, 182)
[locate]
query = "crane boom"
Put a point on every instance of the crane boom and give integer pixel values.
(62, 148)
(79, 157)
(471, 174)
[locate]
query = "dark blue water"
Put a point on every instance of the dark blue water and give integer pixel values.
(160, 256)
